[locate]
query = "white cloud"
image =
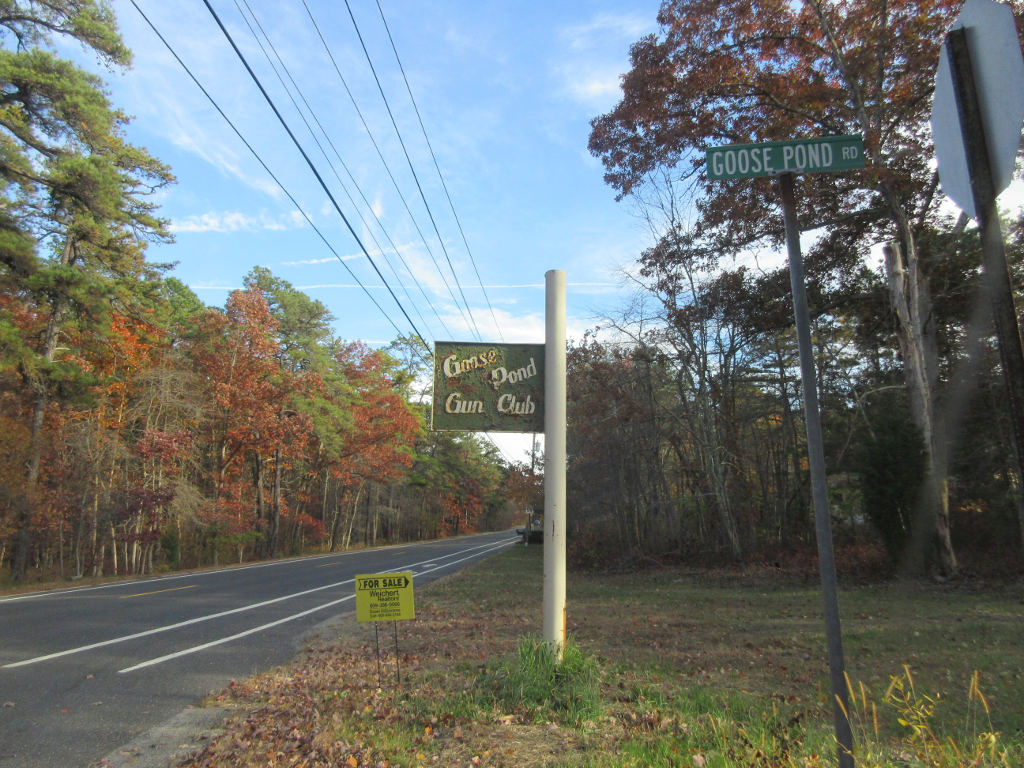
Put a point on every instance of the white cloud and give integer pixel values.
(336, 285)
(331, 259)
(568, 285)
(596, 57)
(594, 87)
(521, 328)
(606, 26)
(236, 221)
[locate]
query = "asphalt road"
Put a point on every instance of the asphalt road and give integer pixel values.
(84, 670)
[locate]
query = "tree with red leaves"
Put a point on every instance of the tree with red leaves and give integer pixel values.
(748, 71)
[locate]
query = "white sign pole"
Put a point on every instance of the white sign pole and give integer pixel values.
(554, 460)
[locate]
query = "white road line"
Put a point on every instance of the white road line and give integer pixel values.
(198, 574)
(136, 582)
(199, 619)
(254, 630)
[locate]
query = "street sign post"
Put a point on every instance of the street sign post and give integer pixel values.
(488, 387)
(784, 159)
(518, 388)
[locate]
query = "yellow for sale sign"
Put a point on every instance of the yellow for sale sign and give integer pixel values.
(384, 597)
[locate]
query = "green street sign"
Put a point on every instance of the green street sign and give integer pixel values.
(488, 387)
(748, 161)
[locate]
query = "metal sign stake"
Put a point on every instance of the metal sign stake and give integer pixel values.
(819, 485)
(376, 644)
(398, 665)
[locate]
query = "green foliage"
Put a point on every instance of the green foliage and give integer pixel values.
(304, 324)
(170, 543)
(413, 368)
(91, 22)
(180, 305)
(566, 690)
(890, 459)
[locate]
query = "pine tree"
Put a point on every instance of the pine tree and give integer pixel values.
(74, 232)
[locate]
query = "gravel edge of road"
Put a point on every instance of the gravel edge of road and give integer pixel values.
(190, 730)
(171, 742)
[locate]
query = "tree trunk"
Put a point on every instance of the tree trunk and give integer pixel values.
(25, 503)
(352, 517)
(911, 301)
(261, 504)
(275, 523)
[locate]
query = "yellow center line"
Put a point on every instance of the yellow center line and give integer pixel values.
(172, 589)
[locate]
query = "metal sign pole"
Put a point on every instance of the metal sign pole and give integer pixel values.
(398, 665)
(554, 461)
(997, 278)
(376, 645)
(819, 487)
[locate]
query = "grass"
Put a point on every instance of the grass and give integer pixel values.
(672, 668)
(539, 685)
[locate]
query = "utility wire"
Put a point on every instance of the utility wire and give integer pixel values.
(309, 162)
(387, 168)
(415, 177)
(267, 169)
(504, 455)
(327, 157)
(438, 168)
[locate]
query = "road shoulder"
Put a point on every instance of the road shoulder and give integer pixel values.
(180, 738)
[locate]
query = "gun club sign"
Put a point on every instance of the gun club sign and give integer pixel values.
(488, 387)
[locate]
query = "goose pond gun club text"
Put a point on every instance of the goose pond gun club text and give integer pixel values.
(488, 387)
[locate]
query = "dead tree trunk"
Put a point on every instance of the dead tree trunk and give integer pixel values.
(911, 301)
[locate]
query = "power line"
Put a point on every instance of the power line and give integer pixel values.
(265, 167)
(328, 159)
(504, 455)
(415, 177)
(387, 167)
(309, 162)
(438, 168)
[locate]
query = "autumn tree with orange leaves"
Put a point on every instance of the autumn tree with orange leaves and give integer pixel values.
(747, 72)
(250, 431)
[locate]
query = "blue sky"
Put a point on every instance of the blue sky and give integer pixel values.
(506, 93)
